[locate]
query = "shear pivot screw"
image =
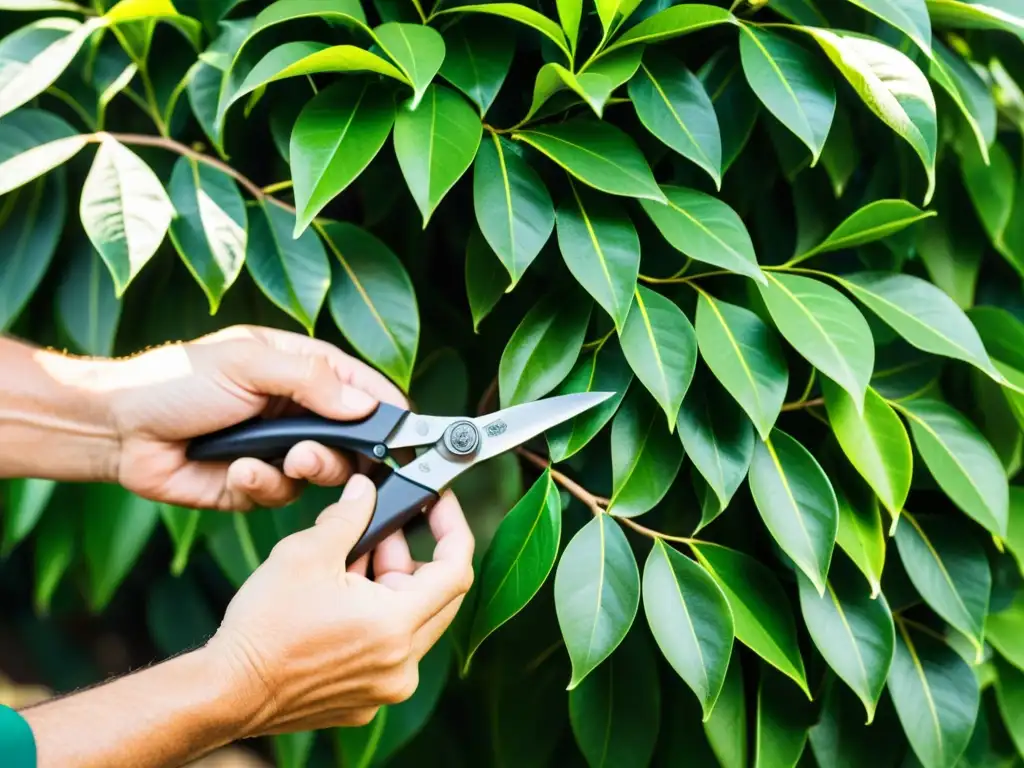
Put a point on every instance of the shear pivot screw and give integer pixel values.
(379, 451)
(461, 438)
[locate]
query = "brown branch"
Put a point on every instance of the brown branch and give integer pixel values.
(800, 405)
(485, 399)
(142, 139)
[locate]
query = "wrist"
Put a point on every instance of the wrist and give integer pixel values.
(252, 700)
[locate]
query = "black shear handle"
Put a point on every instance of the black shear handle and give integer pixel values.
(399, 501)
(271, 439)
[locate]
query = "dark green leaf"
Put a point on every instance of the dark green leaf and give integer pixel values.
(183, 526)
(417, 49)
(735, 104)
(486, 278)
(969, 92)
(875, 221)
(33, 142)
(86, 304)
(784, 719)
(908, 16)
(478, 56)
(520, 13)
(861, 534)
(1010, 698)
(54, 551)
(597, 594)
(292, 750)
(726, 729)
(24, 502)
(674, 22)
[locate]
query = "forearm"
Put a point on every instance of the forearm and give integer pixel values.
(53, 422)
(166, 715)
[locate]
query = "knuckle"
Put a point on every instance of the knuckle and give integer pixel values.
(290, 549)
(361, 717)
(395, 643)
(400, 686)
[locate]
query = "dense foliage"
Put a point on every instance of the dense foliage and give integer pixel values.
(788, 234)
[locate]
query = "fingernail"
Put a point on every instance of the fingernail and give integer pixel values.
(353, 399)
(355, 488)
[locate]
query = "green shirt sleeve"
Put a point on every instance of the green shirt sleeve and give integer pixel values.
(17, 744)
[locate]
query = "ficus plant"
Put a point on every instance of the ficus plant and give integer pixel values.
(787, 234)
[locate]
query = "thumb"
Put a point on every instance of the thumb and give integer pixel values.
(307, 379)
(342, 524)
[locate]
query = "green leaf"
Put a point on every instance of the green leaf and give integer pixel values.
(478, 56)
(486, 278)
(1003, 629)
(745, 356)
(852, 629)
(791, 83)
(543, 349)
(971, 14)
(963, 463)
(736, 106)
(1010, 698)
(292, 750)
(876, 443)
(969, 92)
(645, 456)
(825, 328)
(841, 738)
(706, 229)
(183, 526)
(54, 550)
(601, 369)
(125, 211)
(594, 86)
(936, 697)
(891, 86)
(673, 22)
(518, 560)
(24, 502)
(991, 186)
(569, 14)
(435, 145)
(293, 273)
(372, 300)
(31, 221)
(673, 105)
(861, 534)
(875, 221)
(336, 135)
(209, 228)
(614, 13)
(86, 306)
(922, 314)
(34, 56)
(513, 207)
(600, 246)
(948, 567)
(690, 620)
(118, 528)
(762, 614)
(726, 729)
(908, 16)
(614, 713)
(783, 722)
(34, 142)
(719, 440)
(597, 594)
(796, 502)
(521, 14)
(598, 154)
(417, 49)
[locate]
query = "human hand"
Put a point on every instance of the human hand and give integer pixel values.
(315, 644)
(161, 399)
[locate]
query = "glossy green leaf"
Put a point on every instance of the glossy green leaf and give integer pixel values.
(598, 154)
(690, 620)
(673, 105)
(661, 346)
(519, 13)
(120, 524)
(972, 14)
(613, 13)
(372, 300)
(853, 630)
(183, 526)
(991, 187)
(936, 697)
(597, 594)
(435, 145)
(336, 135)
(791, 83)
(1010, 699)
(292, 750)
(125, 211)
(478, 56)
(418, 50)
(875, 441)
(594, 85)
(947, 565)
(518, 560)
(762, 614)
(969, 92)
(55, 541)
(513, 207)
(673, 22)
(600, 246)
(1003, 627)
(908, 16)
(825, 328)
(962, 462)
(861, 534)
(543, 349)
(486, 278)
(601, 369)
(718, 439)
(34, 56)
(746, 357)
(645, 456)
(34, 142)
(209, 228)
(87, 308)
(293, 273)
(784, 719)
(31, 222)
(706, 229)
(875, 221)
(726, 728)
(841, 737)
(796, 502)
(892, 87)
(736, 106)
(614, 713)
(24, 502)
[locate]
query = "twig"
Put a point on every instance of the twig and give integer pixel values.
(141, 139)
(486, 397)
(799, 405)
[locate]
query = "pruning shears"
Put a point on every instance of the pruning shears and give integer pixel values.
(452, 446)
